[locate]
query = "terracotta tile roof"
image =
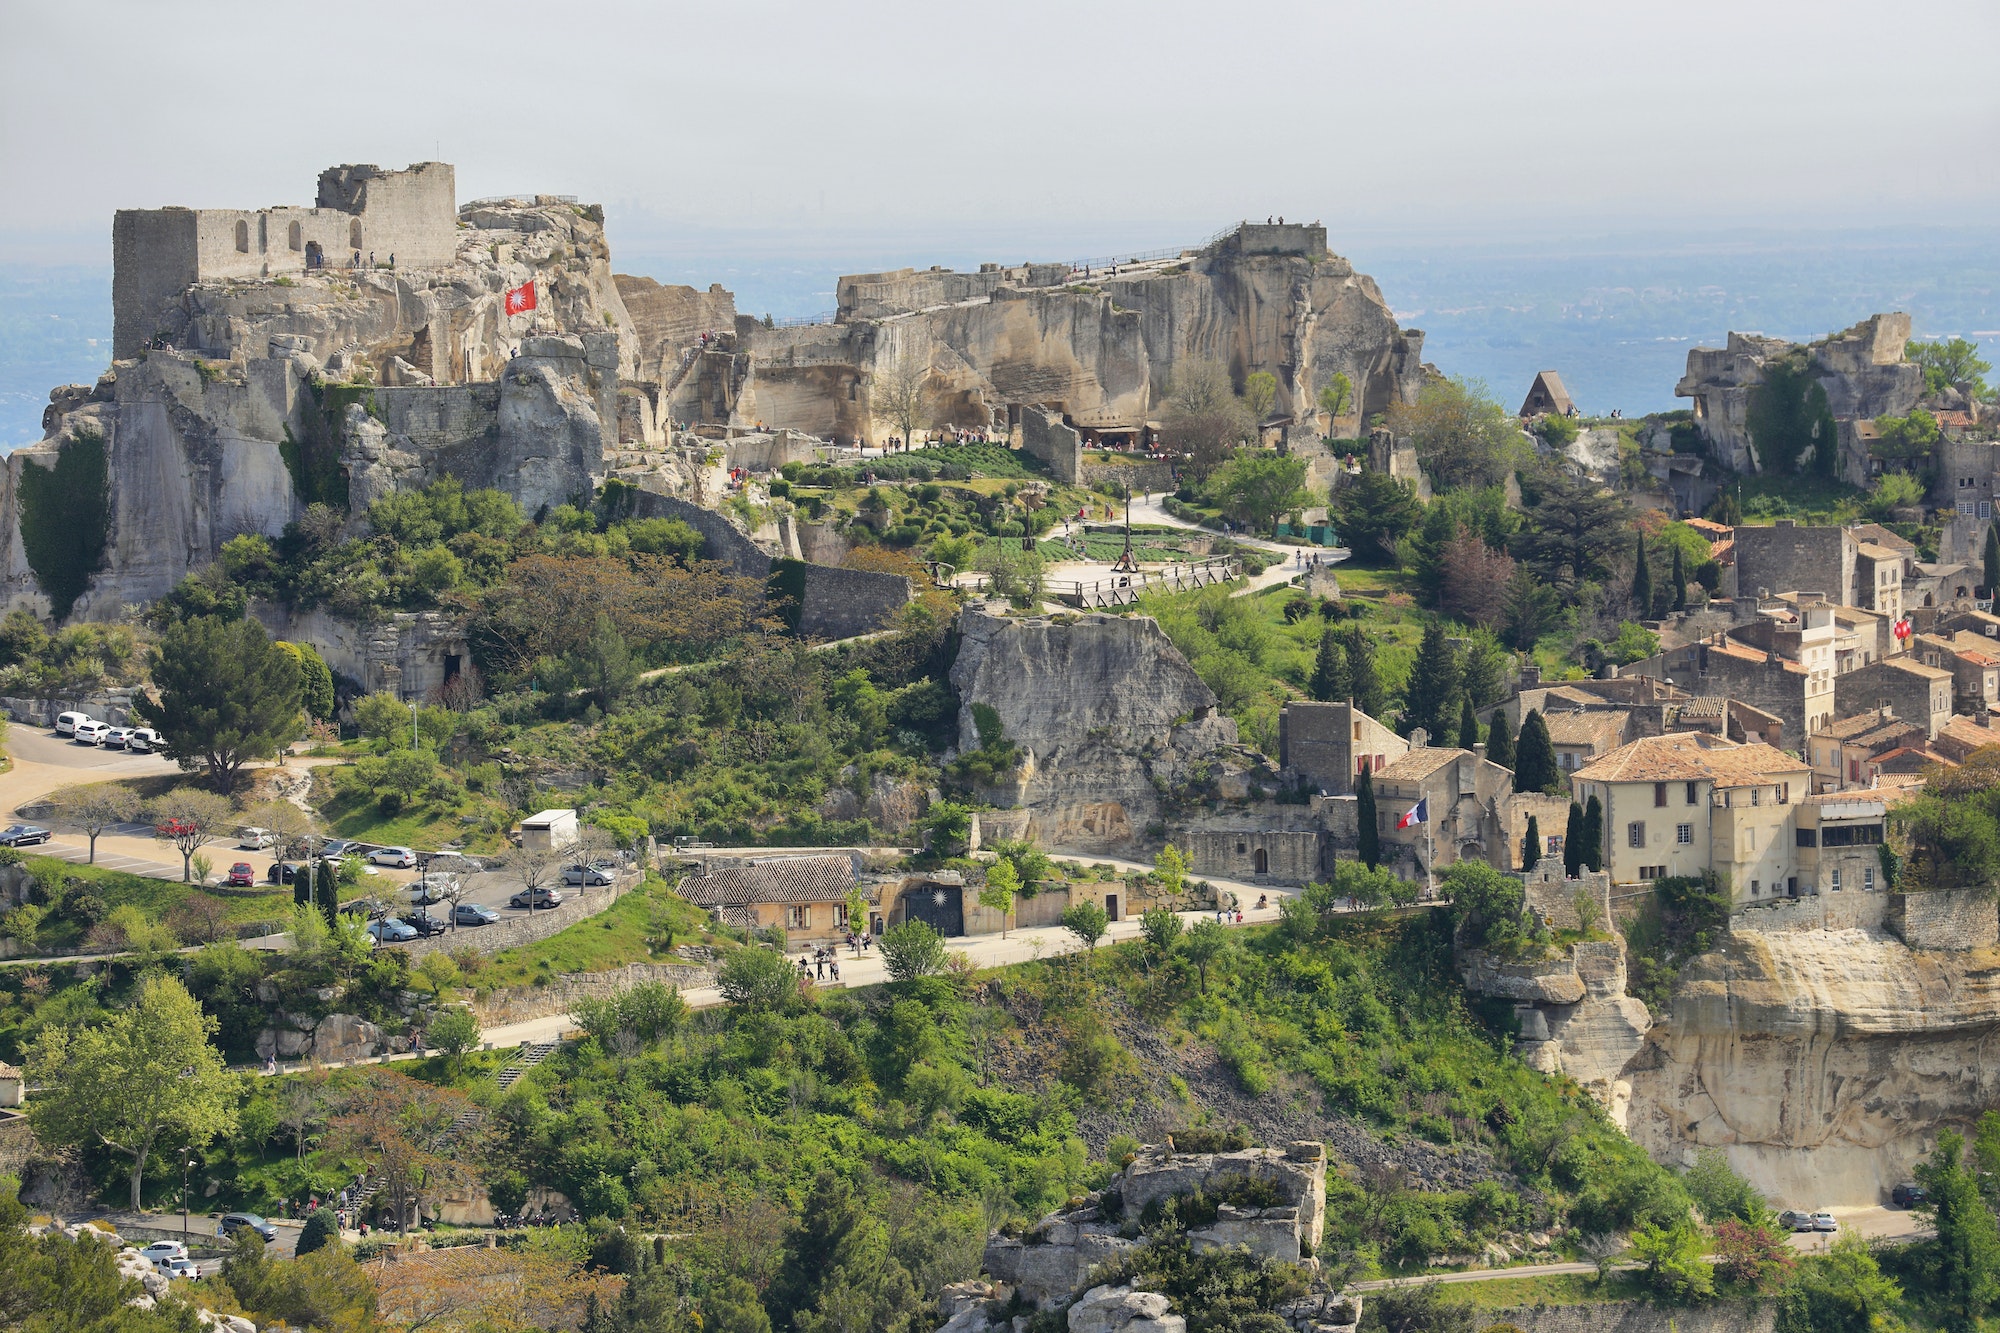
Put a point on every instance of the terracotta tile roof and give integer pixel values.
(1743, 652)
(1915, 668)
(1909, 759)
(789, 879)
(1879, 553)
(1965, 735)
(1876, 535)
(1847, 728)
(1603, 729)
(1419, 764)
(1689, 756)
(1706, 705)
(1709, 528)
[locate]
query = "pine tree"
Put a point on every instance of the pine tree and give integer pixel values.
(1364, 819)
(1992, 559)
(1433, 683)
(1500, 741)
(1531, 845)
(1680, 586)
(1331, 680)
(1363, 679)
(1535, 756)
(1427, 565)
(1593, 834)
(1468, 724)
(1573, 842)
(1642, 583)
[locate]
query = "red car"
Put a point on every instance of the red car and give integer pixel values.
(241, 876)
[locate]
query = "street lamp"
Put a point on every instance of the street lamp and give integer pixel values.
(187, 1165)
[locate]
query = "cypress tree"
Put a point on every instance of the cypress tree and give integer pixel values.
(1992, 559)
(1363, 680)
(1500, 741)
(1679, 579)
(1573, 842)
(329, 894)
(1439, 530)
(1642, 584)
(1531, 845)
(1468, 724)
(1433, 682)
(1593, 834)
(1364, 819)
(1331, 681)
(1535, 757)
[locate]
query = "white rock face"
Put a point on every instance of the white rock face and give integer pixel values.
(1823, 1063)
(1123, 1310)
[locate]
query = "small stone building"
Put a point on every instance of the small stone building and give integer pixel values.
(1466, 793)
(13, 1086)
(1329, 744)
(1547, 395)
(805, 896)
(1276, 856)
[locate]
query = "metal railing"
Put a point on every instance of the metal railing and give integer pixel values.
(805, 321)
(1148, 256)
(1125, 589)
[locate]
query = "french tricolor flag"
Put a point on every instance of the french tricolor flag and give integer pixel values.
(1420, 813)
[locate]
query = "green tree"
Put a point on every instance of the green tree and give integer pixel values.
(1593, 833)
(1365, 682)
(1088, 922)
(1432, 685)
(1499, 740)
(1677, 583)
(1573, 530)
(1331, 681)
(223, 695)
(1573, 842)
(1531, 844)
(1434, 537)
(1789, 419)
(190, 819)
(997, 893)
(1529, 609)
(1369, 837)
(381, 716)
(1841, 1291)
(453, 1033)
(1468, 723)
(1719, 1192)
(1172, 868)
(1535, 767)
(1962, 1263)
(1335, 395)
(1260, 390)
(322, 1229)
(1255, 487)
(1491, 908)
(913, 950)
(1462, 436)
(1204, 942)
(147, 1072)
(91, 808)
(1482, 671)
(1949, 363)
(1673, 1262)
(1162, 928)
(1372, 512)
(315, 680)
(757, 980)
(1642, 577)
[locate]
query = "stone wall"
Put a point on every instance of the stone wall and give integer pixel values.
(1289, 856)
(512, 931)
(408, 654)
(1044, 435)
(841, 603)
(1953, 920)
(1786, 557)
(1853, 910)
(1634, 1317)
(517, 1004)
(1918, 694)
(722, 541)
(1318, 742)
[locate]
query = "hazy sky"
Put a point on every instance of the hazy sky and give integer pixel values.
(1151, 122)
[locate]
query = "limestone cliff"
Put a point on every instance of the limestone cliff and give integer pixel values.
(1106, 713)
(1821, 1062)
(1099, 347)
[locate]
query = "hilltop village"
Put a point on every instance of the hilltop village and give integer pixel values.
(1101, 794)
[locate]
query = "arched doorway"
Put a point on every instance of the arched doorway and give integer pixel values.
(1263, 862)
(354, 234)
(242, 237)
(292, 237)
(315, 257)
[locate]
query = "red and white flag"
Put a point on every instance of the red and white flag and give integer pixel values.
(520, 300)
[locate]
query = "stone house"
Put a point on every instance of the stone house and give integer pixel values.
(1581, 737)
(1329, 744)
(1920, 693)
(1974, 663)
(1802, 697)
(1277, 856)
(1786, 557)
(805, 896)
(1878, 578)
(1961, 736)
(1547, 395)
(1836, 842)
(1466, 793)
(1841, 752)
(13, 1086)
(1690, 803)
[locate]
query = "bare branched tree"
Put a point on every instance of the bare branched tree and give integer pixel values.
(901, 395)
(92, 808)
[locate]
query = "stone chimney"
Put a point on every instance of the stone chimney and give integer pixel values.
(1479, 749)
(1419, 738)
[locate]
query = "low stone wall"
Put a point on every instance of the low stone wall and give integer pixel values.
(1632, 1317)
(513, 931)
(840, 603)
(1945, 919)
(1852, 910)
(1145, 476)
(517, 1004)
(722, 541)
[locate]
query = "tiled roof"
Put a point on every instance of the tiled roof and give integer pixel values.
(1706, 705)
(1915, 668)
(1909, 759)
(1847, 728)
(1743, 652)
(1710, 528)
(1419, 764)
(1881, 553)
(1687, 756)
(790, 879)
(1604, 728)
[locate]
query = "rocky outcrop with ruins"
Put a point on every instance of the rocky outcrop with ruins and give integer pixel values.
(1106, 715)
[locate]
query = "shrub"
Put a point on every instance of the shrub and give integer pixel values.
(65, 518)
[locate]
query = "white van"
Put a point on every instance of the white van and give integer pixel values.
(66, 722)
(144, 740)
(91, 732)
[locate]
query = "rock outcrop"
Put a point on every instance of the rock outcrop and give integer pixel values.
(1106, 713)
(1822, 1063)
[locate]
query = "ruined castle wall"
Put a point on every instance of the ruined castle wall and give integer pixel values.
(1850, 910)
(668, 318)
(1289, 856)
(722, 540)
(1953, 920)
(841, 603)
(439, 416)
(1044, 435)
(411, 214)
(154, 256)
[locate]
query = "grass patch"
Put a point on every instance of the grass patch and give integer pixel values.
(1502, 1293)
(154, 897)
(358, 816)
(625, 932)
(1805, 496)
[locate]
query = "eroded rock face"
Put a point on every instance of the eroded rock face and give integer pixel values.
(1823, 1063)
(1106, 712)
(1123, 1310)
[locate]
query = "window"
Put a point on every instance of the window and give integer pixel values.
(1659, 793)
(798, 918)
(354, 234)
(1684, 835)
(1690, 793)
(1755, 888)
(1635, 833)
(1756, 796)
(292, 237)
(1836, 879)
(1784, 793)
(242, 237)
(1652, 872)
(1868, 879)
(1807, 838)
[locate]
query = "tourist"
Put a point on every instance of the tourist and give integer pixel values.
(835, 965)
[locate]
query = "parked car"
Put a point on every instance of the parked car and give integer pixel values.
(160, 1251)
(90, 732)
(424, 924)
(595, 877)
(400, 857)
(66, 722)
(474, 914)
(144, 740)
(1908, 1195)
(336, 848)
(250, 838)
(1794, 1220)
(374, 909)
(1824, 1222)
(232, 1223)
(538, 897)
(391, 931)
(186, 1269)
(23, 835)
(434, 888)
(241, 875)
(281, 872)
(117, 737)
